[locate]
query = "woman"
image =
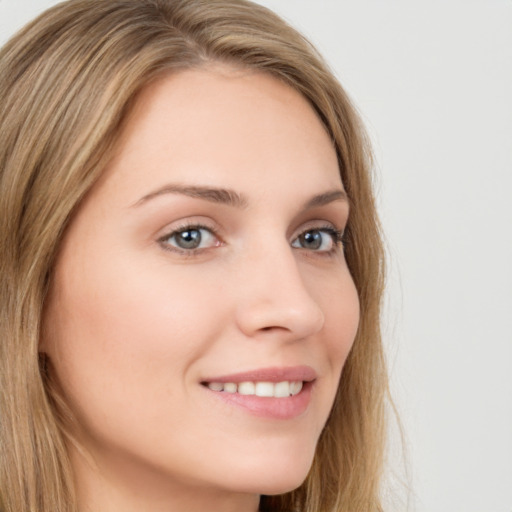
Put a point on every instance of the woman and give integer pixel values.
(190, 317)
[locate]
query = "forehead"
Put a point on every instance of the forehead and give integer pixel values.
(219, 125)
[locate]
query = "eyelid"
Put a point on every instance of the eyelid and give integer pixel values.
(184, 226)
(328, 228)
(319, 224)
(325, 226)
(188, 222)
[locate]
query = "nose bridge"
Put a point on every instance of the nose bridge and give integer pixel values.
(274, 295)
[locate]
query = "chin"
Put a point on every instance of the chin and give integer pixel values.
(277, 475)
(282, 485)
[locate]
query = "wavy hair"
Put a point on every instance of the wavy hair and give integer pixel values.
(67, 82)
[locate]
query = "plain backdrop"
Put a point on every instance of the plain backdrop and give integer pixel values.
(433, 82)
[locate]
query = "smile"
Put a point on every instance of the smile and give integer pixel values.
(281, 389)
(275, 393)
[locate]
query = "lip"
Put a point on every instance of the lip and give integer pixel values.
(273, 374)
(286, 408)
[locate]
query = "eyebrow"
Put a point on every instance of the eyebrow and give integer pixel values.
(326, 198)
(212, 194)
(233, 198)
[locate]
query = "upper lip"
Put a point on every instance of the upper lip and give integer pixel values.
(272, 374)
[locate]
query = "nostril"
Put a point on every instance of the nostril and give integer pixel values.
(273, 328)
(290, 313)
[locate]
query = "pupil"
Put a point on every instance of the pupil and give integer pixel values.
(189, 239)
(312, 239)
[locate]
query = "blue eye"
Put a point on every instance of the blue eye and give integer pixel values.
(188, 239)
(318, 239)
(191, 238)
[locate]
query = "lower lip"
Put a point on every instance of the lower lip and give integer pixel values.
(269, 407)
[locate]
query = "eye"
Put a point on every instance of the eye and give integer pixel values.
(190, 238)
(319, 239)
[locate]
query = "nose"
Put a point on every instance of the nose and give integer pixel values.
(274, 298)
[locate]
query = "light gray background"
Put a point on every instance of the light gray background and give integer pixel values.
(433, 81)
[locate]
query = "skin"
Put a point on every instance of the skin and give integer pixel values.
(134, 323)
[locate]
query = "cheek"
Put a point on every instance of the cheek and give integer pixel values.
(122, 336)
(338, 299)
(342, 322)
(340, 304)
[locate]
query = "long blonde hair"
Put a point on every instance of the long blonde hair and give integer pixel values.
(67, 82)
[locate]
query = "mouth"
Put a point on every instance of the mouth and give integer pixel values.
(281, 389)
(276, 393)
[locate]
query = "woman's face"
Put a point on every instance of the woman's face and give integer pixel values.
(203, 271)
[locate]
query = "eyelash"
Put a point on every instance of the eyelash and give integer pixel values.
(336, 235)
(187, 227)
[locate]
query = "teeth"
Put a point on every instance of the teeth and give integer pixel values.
(295, 388)
(265, 389)
(229, 387)
(282, 389)
(246, 388)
